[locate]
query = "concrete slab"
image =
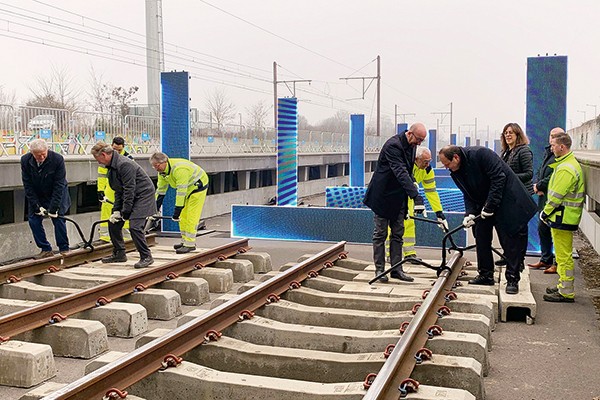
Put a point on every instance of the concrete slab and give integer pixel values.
(261, 261)
(67, 279)
(25, 290)
(25, 364)
(353, 264)
(120, 319)
(523, 300)
(219, 280)
(74, 338)
(293, 313)
(193, 291)
(243, 270)
(42, 391)
(190, 316)
(454, 372)
(161, 304)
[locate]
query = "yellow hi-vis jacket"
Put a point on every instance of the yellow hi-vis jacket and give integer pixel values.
(183, 175)
(427, 178)
(566, 193)
(103, 175)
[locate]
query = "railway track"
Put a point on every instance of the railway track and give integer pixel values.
(316, 328)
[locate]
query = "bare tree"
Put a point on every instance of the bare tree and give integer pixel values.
(55, 91)
(219, 108)
(100, 93)
(257, 115)
(339, 123)
(123, 98)
(303, 124)
(6, 97)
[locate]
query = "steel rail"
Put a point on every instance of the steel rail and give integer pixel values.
(29, 268)
(149, 358)
(37, 316)
(401, 362)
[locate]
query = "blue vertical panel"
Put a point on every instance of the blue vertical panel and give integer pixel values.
(487, 144)
(175, 127)
(357, 150)
(401, 128)
(433, 143)
(453, 138)
(287, 151)
(467, 141)
(498, 146)
(546, 109)
(546, 101)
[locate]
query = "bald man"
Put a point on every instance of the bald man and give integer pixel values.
(387, 196)
(540, 187)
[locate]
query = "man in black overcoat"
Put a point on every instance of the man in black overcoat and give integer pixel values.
(491, 189)
(134, 201)
(387, 196)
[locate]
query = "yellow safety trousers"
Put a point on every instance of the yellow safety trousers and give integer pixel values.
(565, 266)
(190, 217)
(105, 212)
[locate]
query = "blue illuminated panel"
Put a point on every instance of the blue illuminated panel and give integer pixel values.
(324, 224)
(175, 127)
(453, 139)
(467, 141)
(432, 137)
(357, 150)
(401, 128)
(287, 152)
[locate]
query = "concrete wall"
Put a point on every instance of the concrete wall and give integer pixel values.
(586, 136)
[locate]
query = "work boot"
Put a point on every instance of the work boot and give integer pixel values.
(551, 289)
(413, 259)
(144, 262)
(185, 249)
(558, 298)
(43, 254)
(482, 280)
(501, 262)
(551, 270)
(398, 273)
(384, 278)
(116, 257)
(539, 265)
(512, 287)
(177, 246)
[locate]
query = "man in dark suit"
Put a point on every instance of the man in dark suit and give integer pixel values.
(44, 180)
(491, 189)
(387, 195)
(134, 201)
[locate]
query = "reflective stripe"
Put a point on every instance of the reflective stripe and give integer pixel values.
(573, 204)
(571, 167)
(577, 195)
(555, 194)
(181, 193)
(553, 204)
(102, 175)
(428, 181)
(428, 190)
(409, 249)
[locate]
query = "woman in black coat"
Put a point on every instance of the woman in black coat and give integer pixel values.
(517, 154)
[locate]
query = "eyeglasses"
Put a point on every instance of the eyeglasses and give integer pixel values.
(418, 139)
(155, 165)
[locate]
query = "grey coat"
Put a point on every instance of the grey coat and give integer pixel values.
(134, 190)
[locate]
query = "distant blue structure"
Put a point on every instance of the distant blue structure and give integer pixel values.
(357, 150)
(287, 151)
(175, 127)
(432, 137)
(453, 139)
(467, 141)
(401, 128)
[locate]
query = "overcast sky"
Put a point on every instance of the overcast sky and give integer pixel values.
(471, 53)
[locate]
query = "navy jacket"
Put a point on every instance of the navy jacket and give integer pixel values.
(392, 182)
(487, 181)
(46, 185)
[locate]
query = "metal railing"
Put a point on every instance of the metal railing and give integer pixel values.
(76, 132)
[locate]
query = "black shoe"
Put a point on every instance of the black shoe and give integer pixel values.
(558, 298)
(551, 289)
(482, 280)
(144, 262)
(501, 262)
(413, 259)
(399, 274)
(384, 278)
(116, 257)
(184, 249)
(512, 287)
(178, 246)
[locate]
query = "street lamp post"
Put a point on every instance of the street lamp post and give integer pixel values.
(584, 118)
(593, 105)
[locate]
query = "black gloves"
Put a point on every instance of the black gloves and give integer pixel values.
(419, 205)
(177, 213)
(440, 215)
(159, 201)
(126, 214)
(100, 195)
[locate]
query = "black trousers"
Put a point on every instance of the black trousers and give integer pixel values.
(514, 248)
(136, 228)
(380, 233)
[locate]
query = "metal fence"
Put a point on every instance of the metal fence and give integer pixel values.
(76, 132)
